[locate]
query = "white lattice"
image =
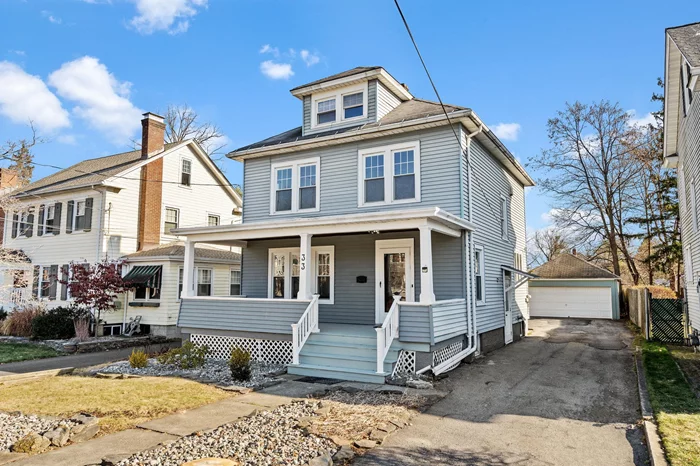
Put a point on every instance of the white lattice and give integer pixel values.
(443, 354)
(269, 351)
(406, 364)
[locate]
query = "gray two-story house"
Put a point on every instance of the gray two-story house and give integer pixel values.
(384, 234)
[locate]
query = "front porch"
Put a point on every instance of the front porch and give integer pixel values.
(339, 299)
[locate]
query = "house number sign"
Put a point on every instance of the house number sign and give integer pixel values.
(302, 265)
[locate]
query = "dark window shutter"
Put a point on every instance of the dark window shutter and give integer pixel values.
(69, 216)
(29, 227)
(53, 281)
(64, 278)
(35, 283)
(56, 228)
(15, 225)
(88, 214)
(40, 229)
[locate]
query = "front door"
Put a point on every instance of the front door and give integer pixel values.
(507, 301)
(393, 274)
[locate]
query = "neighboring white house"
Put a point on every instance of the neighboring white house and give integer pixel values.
(111, 207)
(682, 146)
(379, 235)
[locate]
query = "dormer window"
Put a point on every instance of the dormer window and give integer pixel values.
(353, 105)
(326, 111)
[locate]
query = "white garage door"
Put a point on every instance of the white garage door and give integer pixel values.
(586, 302)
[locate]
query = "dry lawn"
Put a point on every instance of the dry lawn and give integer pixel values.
(120, 404)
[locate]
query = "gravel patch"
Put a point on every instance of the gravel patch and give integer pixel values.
(15, 426)
(213, 371)
(265, 438)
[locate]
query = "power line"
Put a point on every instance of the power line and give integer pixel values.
(442, 105)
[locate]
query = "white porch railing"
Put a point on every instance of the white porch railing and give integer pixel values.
(387, 333)
(308, 324)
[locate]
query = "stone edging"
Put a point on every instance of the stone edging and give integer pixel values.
(656, 451)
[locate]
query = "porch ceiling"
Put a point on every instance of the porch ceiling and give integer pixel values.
(434, 218)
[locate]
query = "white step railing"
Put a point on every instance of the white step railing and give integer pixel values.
(308, 324)
(386, 334)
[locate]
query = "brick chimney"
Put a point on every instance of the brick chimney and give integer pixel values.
(151, 189)
(8, 181)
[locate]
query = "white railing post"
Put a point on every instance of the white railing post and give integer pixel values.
(295, 344)
(386, 334)
(307, 324)
(380, 349)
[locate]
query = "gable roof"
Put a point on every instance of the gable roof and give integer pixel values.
(342, 74)
(687, 39)
(567, 265)
(176, 251)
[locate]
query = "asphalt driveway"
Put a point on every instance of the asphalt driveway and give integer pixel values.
(567, 394)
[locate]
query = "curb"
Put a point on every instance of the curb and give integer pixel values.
(656, 451)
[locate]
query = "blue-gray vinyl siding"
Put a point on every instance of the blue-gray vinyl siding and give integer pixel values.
(240, 315)
(613, 285)
(354, 302)
(440, 177)
(371, 111)
(414, 324)
(432, 323)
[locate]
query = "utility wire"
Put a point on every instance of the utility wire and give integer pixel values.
(442, 105)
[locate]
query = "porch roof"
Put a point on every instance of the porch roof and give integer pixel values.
(434, 218)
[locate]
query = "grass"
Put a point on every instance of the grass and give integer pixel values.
(676, 407)
(13, 352)
(119, 403)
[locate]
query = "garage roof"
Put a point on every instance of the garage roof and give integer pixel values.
(569, 266)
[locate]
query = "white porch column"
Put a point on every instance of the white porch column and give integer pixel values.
(427, 296)
(305, 272)
(188, 277)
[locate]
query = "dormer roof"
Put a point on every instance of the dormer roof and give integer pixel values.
(353, 76)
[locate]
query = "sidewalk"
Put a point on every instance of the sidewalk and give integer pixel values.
(60, 362)
(123, 444)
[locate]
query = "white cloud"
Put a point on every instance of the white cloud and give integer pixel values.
(102, 101)
(309, 58)
(165, 15)
(507, 131)
(267, 48)
(53, 19)
(21, 53)
(68, 139)
(24, 97)
(276, 70)
(642, 121)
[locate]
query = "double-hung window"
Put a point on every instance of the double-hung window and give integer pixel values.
(325, 111)
(79, 221)
(335, 107)
(204, 281)
(235, 283)
(479, 280)
(213, 220)
(285, 268)
(295, 186)
(389, 174)
(172, 220)
(49, 219)
(186, 172)
(353, 105)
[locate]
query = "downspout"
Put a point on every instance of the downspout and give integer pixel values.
(99, 224)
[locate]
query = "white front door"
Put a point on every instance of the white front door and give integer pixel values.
(393, 274)
(508, 307)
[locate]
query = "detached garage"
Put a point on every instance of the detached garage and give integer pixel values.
(568, 286)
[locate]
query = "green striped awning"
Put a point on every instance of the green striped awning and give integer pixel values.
(145, 275)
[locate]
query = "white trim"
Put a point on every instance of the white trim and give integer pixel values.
(75, 213)
(405, 245)
(295, 167)
(181, 171)
(230, 280)
(211, 279)
(388, 153)
(381, 74)
(288, 252)
(162, 224)
(694, 204)
(481, 277)
(337, 95)
(542, 279)
(243, 298)
(212, 214)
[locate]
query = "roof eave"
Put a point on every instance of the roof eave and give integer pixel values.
(381, 74)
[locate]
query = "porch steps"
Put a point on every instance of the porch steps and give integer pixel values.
(345, 353)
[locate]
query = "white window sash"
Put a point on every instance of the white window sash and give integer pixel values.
(481, 278)
(339, 107)
(296, 168)
(389, 177)
(288, 253)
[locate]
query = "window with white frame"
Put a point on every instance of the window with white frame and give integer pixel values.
(685, 85)
(172, 220)
(79, 219)
(49, 219)
(186, 172)
(285, 268)
(693, 204)
(504, 218)
(235, 282)
(213, 220)
(204, 281)
(347, 104)
(479, 279)
(180, 280)
(400, 182)
(295, 186)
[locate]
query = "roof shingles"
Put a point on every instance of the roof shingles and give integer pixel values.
(687, 38)
(569, 266)
(176, 250)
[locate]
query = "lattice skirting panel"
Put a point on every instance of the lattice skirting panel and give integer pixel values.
(269, 351)
(443, 354)
(406, 363)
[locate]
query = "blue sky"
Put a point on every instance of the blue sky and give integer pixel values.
(84, 70)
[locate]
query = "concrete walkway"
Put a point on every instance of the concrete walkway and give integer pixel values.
(72, 360)
(565, 395)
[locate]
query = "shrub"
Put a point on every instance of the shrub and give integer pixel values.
(138, 359)
(55, 324)
(19, 322)
(239, 363)
(659, 292)
(3, 314)
(189, 356)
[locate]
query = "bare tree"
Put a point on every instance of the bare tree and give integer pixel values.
(546, 244)
(589, 172)
(182, 123)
